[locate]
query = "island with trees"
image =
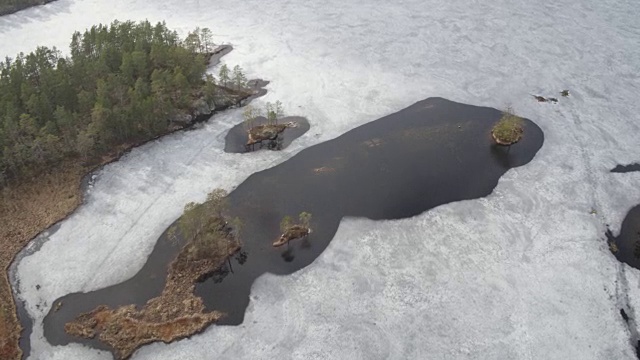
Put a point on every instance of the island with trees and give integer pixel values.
(265, 129)
(293, 231)
(11, 6)
(509, 129)
(267, 132)
(211, 238)
(61, 117)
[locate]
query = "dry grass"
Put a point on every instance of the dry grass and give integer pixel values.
(25, 210)
(125, 328)
(9, 327)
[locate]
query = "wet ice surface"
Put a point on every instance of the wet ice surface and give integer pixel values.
(524, 273)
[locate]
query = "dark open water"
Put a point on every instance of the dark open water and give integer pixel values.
(431, 153)
(628, 241)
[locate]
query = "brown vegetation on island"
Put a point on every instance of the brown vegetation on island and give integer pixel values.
(25, 210)
(260, 133)
(509, 129)
(291, 231)
(177, 312)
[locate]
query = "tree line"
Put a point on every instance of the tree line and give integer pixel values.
(120, 84)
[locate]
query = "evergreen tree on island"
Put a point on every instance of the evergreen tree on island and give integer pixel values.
(291, 231)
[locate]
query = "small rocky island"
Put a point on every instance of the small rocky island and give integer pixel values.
(508, 130)
(291, 231)
(269, 133)
(275, 131)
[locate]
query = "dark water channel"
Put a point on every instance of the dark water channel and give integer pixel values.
(628, 241)
(431, 153)
(626, 168)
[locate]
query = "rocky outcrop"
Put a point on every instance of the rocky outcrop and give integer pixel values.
(264, 132)
(292, 233)
(201, 109)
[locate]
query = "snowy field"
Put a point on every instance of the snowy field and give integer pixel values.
(522, 274)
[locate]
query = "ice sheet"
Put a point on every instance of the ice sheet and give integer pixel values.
(523, 273)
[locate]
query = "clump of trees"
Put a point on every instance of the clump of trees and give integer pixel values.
(274, 112)
(270, 131)
(122, 83)
(509, 129)
(205, 227)
(250, 114)
(200, 40)
(304, 218)
(232, 79)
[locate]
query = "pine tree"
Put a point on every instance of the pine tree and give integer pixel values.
(249, 115)
(192, 42)
(305, 219)
(274, 112)
(286, 223)
(272, 117)
(206, 37)
(224, 75)
(239, 80)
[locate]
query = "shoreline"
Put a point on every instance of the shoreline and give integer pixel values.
(14, 308)
(236, 138)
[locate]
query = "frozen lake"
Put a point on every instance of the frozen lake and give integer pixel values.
(524, 273)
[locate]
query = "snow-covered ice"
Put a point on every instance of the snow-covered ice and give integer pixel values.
(522, 274)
